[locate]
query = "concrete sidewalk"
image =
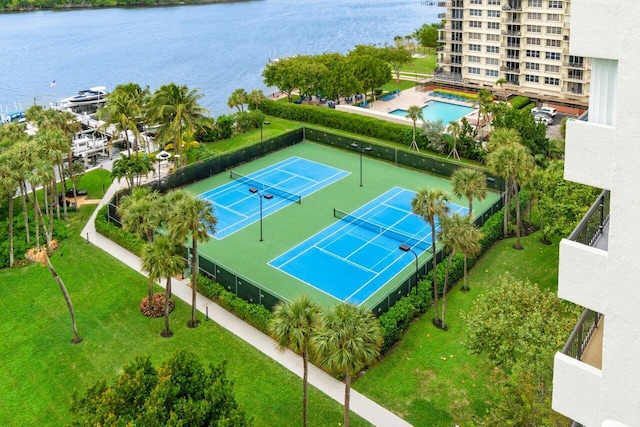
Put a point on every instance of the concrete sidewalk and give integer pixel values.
(359, 404)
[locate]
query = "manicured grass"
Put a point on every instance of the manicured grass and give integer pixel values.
(424, 65)
(402, 85)
(430, 378)
(42, 369)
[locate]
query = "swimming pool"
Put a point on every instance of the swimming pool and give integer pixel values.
(438, 110)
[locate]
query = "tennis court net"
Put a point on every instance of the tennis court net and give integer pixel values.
(385, 231)
(264, 187)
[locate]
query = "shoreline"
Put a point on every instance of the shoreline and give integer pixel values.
(141, 5)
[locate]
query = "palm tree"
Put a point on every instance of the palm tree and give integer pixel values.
(124, 111)
(469, 183)
(193, 216)
(451, 236)
(160, 260)
(175, 108)
(9, 182)
(238, 99)
(515, 164)
(292, 326)
(140, 214)
(500, 82)
(454, 128)
(40, 254)
(485, 103)
(348, 339)
(414, 113)
(429, 204)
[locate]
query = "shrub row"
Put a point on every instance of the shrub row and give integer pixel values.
(470, 97)
(112, 232)
(519, 102)
(394, 322)
(361, 125)
(255, 314)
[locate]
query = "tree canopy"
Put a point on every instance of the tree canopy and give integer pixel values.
(180, 392)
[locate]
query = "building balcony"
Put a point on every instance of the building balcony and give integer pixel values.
(584, 255)
(576, 65)
(512, 70)
(511, 33)
(588, 155)
(447, 76)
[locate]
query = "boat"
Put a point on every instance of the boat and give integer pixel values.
(13, 117)
(87, 145)
(94, 95)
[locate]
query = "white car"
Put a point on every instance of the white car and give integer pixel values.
(546, 110)
(543, 118)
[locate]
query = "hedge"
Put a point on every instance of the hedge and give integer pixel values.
(112, 232)
(255, 314)
(519, 102)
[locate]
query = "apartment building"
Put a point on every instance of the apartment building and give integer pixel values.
(597, 375)
(524, 42)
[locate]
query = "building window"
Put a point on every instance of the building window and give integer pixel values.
(474, 47)
(552, 81)
(533, 41)
(493, 49)
(575, 74)
(474, 70)
(554, 30)
(494, 2)
(476, 1)
(555, 4)
(552, 69)
(493, 13)
(473, 58)
(535, 3)
(493, 37)
(534, 16)
(530, 78)
(475, 12)
(491, 73)
(534, 28)
(475, 24)
(553, 17)
(492, 61)
(475, 36)
(533, 53)
(532, 66)
(493, 25)
(554, 43)
(554, 56)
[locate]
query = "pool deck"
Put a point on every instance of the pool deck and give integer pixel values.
(381, 109)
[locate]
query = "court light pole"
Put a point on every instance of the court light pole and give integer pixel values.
(267, 196)
(406, 248)
(361, 149)
(262, 146)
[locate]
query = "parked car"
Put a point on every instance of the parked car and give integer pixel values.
(546, 110)
(543, 118)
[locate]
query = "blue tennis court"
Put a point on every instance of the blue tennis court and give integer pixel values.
(237, 203)
(354, 257)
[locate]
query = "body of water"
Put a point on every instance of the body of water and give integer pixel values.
(216, 48)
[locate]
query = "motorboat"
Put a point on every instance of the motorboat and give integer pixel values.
(13, 116)
(94, 95)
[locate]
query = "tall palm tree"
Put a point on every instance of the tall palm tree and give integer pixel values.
(175, 108)
(429, 204)
(160, 260)
(9, 182)
(515, 164)
(140, 214)
(451, 235)
(485, 103)
(454, 128)
(348, 340)
(40, 254)
(124, 110)
(191, 216)
(469, 183)
(414, 113)
(292, 326)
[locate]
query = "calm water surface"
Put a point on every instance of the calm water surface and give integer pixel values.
(216, 48)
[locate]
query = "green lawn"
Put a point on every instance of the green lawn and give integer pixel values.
(424, 65)
(430, 378)
(42, 369)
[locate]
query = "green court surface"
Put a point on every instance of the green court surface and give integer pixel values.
(243, 253)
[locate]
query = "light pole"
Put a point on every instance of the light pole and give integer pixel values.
(262, 146)
(267, 196)
(406, 248)
(361, 149)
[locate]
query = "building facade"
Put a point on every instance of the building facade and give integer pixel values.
(597, 375)
(523, 43)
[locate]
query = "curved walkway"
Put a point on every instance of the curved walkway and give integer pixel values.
(359, 404)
